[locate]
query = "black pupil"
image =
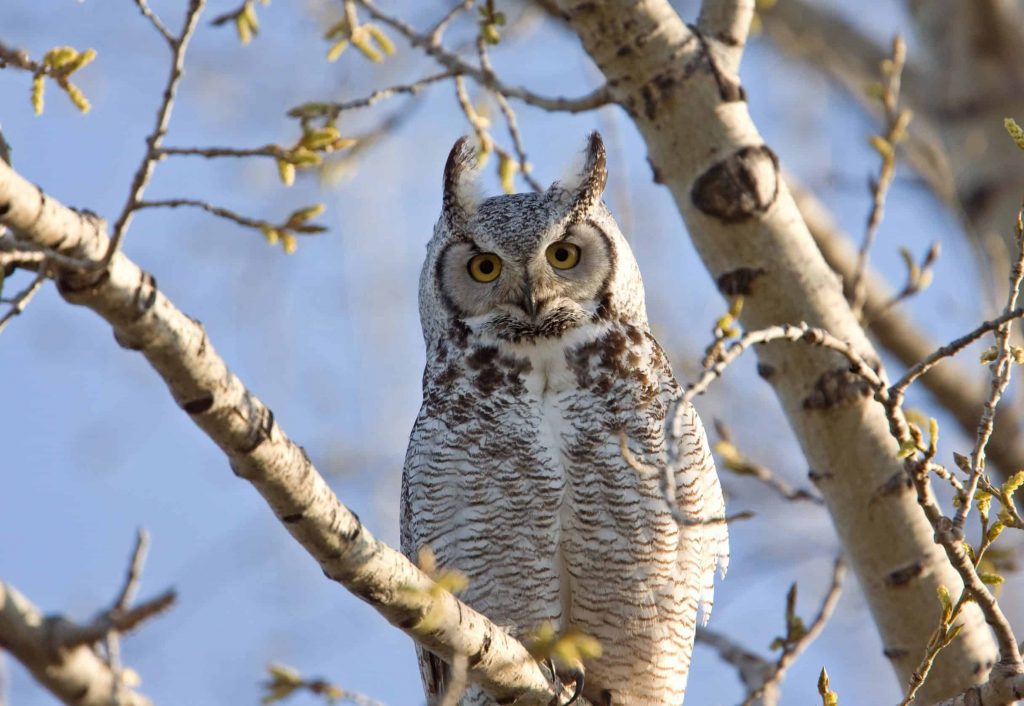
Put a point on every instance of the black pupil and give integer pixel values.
(486, 267)
(561, 254)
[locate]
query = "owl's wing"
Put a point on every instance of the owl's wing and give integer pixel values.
(699, 497)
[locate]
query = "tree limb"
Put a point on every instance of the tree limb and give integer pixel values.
(75, 674)
(747, 230)
(954, 387)
(260, 452)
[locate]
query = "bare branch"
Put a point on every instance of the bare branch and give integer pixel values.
(896, 125)
(1001, 368)
(595, 99)
(114, 620)
(763, 677)
(787, 332)
(510, 120)
(76, 675)
(734, 460)
(952, 348)
(331, 111)
(22, 299)
(134, 573)
(754, 671)
(159, 26)
(260, 452)
(144, 172)
(791, 652)
(955, 387)
(218, 211)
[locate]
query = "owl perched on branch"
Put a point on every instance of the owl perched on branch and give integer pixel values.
(540, 364)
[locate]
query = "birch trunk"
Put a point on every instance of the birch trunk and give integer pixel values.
(681, 89)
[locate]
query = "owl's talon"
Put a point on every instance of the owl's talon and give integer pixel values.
(556, 682)
(577, 675)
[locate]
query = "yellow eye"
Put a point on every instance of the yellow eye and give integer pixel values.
(484, 267)
(563, 256)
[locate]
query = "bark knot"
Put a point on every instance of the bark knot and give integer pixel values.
(742, 186)
(837, 388)
(738, 281)
(904, 575)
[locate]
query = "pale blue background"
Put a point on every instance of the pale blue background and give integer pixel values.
(93, 446)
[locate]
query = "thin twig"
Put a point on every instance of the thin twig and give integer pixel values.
(134, 573)
(1001, 369)
(208, 207)
(212, 152)
(159, 26)
(754, 671)
(791, 651)
(436, 33)
(951, 349)
(510, 118)
(734, 460)
(331, 111)
(22, 299)
(163, 116)
(111, 621)
(896, 122)
(595, 99)
(18, 59)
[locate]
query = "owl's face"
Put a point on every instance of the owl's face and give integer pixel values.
(516, 274)
(523, 267)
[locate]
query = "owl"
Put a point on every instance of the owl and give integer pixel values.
(540, 365)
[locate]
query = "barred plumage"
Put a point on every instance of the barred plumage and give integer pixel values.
(536, 366)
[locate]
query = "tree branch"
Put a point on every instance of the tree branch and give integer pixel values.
(179, 47)
(704, 146)
(426, 41)
(260, 452)
(826, 43)
(727, 22)
(952, 385)
(73, 673)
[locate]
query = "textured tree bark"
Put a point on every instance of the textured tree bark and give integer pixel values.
(680, 87)
(260, 452)
(966, 76)
(961, 391)
(74, 675)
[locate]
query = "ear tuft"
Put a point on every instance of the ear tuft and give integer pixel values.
(588, 186)
(461, 188)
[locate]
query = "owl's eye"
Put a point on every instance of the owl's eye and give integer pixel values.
(563, 256)
(484, 267)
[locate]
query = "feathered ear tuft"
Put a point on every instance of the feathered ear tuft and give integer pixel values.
(586, 188)
(461, 187)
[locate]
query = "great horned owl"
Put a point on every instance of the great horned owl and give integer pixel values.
(539, 360)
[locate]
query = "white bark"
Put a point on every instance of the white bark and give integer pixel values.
(75, 675)
(960, 390)
(703, 145)
(967, 77)
(244, 428)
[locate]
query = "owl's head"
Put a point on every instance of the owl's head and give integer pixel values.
(530, 266)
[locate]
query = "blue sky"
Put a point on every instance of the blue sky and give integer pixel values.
(329, 337)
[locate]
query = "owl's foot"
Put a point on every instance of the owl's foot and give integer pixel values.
(577, 676)
(562, 677)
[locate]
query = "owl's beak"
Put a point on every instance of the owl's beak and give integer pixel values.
(529, 304)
